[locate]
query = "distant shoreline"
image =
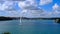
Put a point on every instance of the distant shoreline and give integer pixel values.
(2, 18)
(57, 20)
(39, 18)
(15, 18)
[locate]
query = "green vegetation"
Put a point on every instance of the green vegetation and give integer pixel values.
(2, 18)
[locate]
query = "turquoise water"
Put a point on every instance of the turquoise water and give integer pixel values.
(9, 26)
(30, 27)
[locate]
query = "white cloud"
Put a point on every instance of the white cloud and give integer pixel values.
(55, 7)
(56, 10)
(36, 12)
(10, 13)
(6, 5)
(12, 0)
(8, 9)
(30, 9)
(22, 4)
(27, 3)
(16, 0)
(44, 2)
(13, 13)
(32, 2)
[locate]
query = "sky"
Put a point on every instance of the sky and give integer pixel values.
(30, 8)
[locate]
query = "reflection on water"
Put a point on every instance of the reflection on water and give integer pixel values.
(30, 27)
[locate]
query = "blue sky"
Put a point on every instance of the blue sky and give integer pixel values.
(48, 7)
(30, 8)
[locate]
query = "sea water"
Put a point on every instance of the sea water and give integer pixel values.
(30, 27)
(9, 26)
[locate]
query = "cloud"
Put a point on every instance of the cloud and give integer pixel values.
(8, 8)
(30, 9)
(10, 13)
(16, 0)
(27, 3)
(6, 5)
(44, 2)
(56, 10)
(35, 13)
(55, 6)
(13, 13)
(12, 0)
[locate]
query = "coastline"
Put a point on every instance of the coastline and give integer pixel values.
(8, 18)
(2, 18)
(57, 20)
(39, 18)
